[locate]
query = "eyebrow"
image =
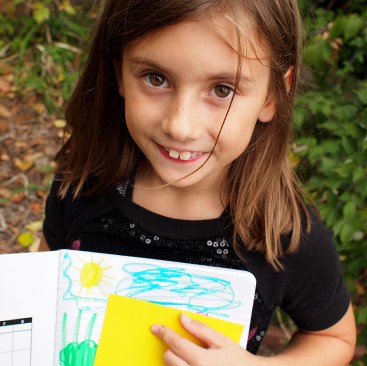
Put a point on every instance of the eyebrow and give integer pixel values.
(229, 76)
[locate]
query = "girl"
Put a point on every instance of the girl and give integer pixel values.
(179, 129)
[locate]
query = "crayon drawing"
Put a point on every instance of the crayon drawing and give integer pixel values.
(177, 287)
(77, 353)
(87, 280)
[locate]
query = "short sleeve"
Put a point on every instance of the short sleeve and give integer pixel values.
(316, 297)
(54, 229)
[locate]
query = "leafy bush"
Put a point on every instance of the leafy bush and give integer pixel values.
(330, 152)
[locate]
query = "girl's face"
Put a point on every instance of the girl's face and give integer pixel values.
(178, 84)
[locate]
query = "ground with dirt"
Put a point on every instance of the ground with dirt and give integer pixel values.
(29, 138)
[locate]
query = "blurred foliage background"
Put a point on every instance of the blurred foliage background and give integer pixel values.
(45, 42)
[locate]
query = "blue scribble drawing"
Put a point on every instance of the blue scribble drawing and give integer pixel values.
(178, 288)
(166, 284)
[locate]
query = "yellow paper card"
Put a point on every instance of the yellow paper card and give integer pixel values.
(126, 338)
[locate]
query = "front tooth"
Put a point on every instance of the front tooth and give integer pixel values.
(174, 154)
(185, 155)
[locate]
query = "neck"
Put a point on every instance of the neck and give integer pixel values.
(185, 203)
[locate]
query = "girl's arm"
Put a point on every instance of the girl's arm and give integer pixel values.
(330, 347)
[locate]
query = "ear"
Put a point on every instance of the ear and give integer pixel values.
(268, 111)
(288, 78)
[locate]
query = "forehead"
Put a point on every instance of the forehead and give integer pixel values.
(216, 41)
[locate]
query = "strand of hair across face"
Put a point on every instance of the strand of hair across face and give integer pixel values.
(210, 154)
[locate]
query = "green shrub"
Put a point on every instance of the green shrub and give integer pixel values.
(330, 152)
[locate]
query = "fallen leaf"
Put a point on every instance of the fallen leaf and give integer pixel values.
(17, 197)
(60, 123)
(36, 207)
(39, 108)
(5, 193)
(4, 156)
(5, 86)
(34, 226)
(23, 165)
(26, 239)
(4, 112)
(4, 127)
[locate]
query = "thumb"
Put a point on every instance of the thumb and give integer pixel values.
(208, 336)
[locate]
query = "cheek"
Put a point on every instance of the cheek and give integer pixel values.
(237, 132)
(140, 115)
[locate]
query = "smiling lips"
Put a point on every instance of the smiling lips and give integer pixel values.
(182, 155)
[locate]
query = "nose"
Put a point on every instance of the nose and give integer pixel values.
(182, 118)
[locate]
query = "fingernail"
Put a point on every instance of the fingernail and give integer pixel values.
(185, 318)
(155, 329)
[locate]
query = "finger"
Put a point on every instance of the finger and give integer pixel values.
(171, 359)
(180, 346)
(208, 336)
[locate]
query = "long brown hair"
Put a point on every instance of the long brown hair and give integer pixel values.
(265, 198)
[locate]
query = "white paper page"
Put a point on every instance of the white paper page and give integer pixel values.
(86, 279)
(28, 290)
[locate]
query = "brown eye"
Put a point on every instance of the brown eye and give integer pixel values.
(223, 91)
(155, 79)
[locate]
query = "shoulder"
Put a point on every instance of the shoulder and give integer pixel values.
(314, 293)
(62, 213)
(315, 245)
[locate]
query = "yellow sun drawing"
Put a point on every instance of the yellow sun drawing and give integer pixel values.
(92, 279)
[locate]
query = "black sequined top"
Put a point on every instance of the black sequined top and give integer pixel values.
(310, 289)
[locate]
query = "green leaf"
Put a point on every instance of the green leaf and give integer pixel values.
(346, 233)
(328, 164)
(362, 95)
(317, 52)
(347, 145)
(362, 316)
(345, 112)
(67, 7)
(338, 28)
(349, 210)
(40, 12)
(358, 173)
(354, 23)
(333, 183)
(344, 171)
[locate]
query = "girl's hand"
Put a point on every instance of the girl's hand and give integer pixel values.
(219, 350)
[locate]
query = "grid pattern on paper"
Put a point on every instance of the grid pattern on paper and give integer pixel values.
(15, 342)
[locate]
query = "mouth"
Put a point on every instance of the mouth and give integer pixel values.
(182, 155)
